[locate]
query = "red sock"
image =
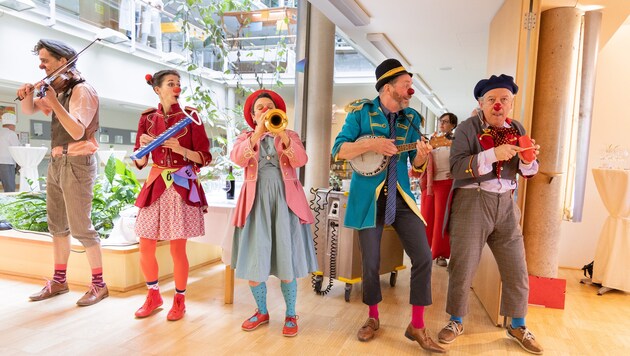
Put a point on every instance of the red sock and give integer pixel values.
(417, 316)
(60, 273)
(97, 277)
(373, 313)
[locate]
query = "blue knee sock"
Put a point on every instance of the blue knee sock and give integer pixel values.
(260, 295)
(518, 322)
(289, 291)
(457, 319)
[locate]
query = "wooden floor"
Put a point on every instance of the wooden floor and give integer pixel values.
(590, 324)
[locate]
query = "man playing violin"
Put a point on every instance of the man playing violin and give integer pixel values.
(73, 105)
(385, 198)
(485, 158)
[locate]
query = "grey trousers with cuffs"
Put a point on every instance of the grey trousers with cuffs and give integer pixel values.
(478, 217)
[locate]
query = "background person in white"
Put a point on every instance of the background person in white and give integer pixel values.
(8, 138)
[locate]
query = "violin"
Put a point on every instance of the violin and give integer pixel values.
(61, 72)
(440, 141)
(59, 81)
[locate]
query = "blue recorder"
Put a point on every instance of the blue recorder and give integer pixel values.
(170, 132)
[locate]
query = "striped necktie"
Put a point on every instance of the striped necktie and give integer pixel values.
(390, 198)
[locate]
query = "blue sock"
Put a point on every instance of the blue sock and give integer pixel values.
(260, 295)
(518, 322)
(457, 319)
(289, 291)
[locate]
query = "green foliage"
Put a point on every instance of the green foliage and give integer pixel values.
(25, 211)
(114, 190)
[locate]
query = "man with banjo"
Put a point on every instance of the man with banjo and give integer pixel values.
(380, 194)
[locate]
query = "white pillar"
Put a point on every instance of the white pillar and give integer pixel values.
(321, 55)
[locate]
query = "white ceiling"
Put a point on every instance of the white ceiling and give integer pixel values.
(430, 35)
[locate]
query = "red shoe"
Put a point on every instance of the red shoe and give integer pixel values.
(290, 328)
(255, 321)
(153, 301)
(178, 309)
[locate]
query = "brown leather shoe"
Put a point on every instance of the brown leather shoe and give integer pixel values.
(51, 289)
(366, 333)
(451, 331)
(93, 296)
(421, 336)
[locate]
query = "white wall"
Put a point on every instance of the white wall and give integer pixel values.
(611, 125)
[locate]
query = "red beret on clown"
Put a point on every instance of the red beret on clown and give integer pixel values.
(251, 99)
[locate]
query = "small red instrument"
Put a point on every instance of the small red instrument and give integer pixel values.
(527, 145)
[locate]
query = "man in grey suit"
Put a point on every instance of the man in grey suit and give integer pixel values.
(485, 158)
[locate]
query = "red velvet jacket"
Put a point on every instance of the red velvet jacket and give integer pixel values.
(153, 122)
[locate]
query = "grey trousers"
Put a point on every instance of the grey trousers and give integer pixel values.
(412, 234)
(7, 177)
(479, 217)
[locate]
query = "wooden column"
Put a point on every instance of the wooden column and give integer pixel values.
(554, 101)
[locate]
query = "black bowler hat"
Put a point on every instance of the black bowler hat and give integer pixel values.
(494, 82)
(387, 71)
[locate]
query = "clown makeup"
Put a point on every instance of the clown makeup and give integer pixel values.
(167, 92)
(48, 62)
(501, 96)
(400, 90)
(261, 106)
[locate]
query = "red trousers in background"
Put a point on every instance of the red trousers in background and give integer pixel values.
(433, 208)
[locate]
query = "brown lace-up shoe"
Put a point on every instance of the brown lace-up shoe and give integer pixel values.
(51, 289)
(525, 338)
(366, 333)
(421, 336)
(448, 333)
(93, 296)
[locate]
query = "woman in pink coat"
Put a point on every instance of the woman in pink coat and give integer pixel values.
(272, 218)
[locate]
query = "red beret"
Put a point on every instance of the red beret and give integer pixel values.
(249, 102)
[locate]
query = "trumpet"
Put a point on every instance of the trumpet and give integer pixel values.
(276, 120)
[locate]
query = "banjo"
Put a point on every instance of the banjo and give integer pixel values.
(372, 163)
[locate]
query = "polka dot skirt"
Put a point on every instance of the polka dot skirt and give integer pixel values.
(170, 218)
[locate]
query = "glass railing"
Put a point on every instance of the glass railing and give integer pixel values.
(260, 40)
(257, 40)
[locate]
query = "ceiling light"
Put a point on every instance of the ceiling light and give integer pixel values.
(18, 5)
(173, 58)
(352, 11)
(421, 85)
(111, 36)
(437, 102)
(382, 43)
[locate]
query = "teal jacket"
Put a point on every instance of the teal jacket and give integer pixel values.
(367, 118)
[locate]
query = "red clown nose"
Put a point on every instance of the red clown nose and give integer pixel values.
(177, 90)
(264, 110)
(410, 91)
(497, 106)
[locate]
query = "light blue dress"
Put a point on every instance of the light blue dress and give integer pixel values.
(272, 241)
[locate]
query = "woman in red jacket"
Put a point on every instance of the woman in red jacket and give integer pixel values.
(272, 217)
(172, 202)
